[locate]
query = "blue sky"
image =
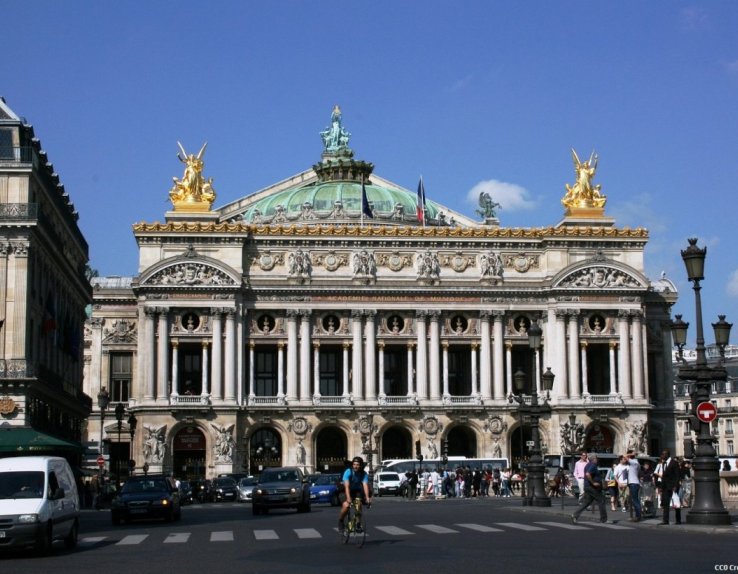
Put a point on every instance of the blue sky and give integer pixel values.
(470, 94)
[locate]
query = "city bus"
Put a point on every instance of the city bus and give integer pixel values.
(403, 465)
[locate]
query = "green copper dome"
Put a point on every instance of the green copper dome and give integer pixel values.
(337, 201)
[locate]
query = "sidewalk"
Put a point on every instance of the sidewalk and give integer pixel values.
(622, 518)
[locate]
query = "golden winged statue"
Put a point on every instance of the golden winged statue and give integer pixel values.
(583, 195)
(192, 192)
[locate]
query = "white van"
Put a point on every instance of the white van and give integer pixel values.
(39, 502)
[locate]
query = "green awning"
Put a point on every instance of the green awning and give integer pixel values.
(27, 441)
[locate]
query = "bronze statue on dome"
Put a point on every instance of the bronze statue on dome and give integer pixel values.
(583, 194)
(192, 191)
(335, 137)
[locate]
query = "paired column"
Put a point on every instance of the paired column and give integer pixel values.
(346, 370)
(445, 370)
(434, 359)
(216, 358)
(498, 359)
(175, 367)
(230, 355)
(585, 380)
(357, 367)
(304, 355)
(316, 371)
(573, 354)
(370, 372)
(421, 369)
(624, 357)
(252, 369)
(380, 351)
(280, 370)
(485, 378)
(613, 367)
(411, 389)
(150, 337)
(474, 378)
(205, 370)
(292, 352)
(559, 344)
(162, 357)
(637, 354)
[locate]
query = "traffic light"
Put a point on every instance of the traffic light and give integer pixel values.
(418, 454)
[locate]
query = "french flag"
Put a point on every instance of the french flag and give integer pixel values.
(421, 201)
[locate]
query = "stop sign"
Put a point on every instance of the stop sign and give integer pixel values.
(100, 460)
(706, 412)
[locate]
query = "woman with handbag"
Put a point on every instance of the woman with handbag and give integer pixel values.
(612, 487)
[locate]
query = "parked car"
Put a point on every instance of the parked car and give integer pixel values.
(325, 489)
(38, 503)
(387, 483)
(148, 496)
(283, 487)
(246, 488)
(224, 489)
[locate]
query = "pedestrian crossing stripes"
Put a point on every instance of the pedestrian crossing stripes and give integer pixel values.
(225, 536)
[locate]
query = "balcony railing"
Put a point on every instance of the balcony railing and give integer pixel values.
(16, 154)
(616, 399)
(189, 400)
(331, 400)
(18, 211)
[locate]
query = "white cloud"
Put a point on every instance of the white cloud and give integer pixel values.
(510, 196)
(732, 287)
(694, 17)
(461, 83)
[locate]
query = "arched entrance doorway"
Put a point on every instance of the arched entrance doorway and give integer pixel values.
(188, 453)
(396, 443)
(519, 450)
(265, 450)
(599, 438)
(330, 450)
(462, 442)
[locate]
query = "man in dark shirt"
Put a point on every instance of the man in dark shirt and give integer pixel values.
(670, 482)
(592, 490)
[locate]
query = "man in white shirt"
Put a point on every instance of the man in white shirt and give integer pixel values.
(634, 485)
(579, 467)
(621, 475)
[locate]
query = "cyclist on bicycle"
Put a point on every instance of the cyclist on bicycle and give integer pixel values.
(355, 485)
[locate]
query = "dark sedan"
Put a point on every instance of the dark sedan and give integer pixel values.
(147, 497)
(224, 489)
(284, 487)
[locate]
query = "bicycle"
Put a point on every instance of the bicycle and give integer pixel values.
(355, 524)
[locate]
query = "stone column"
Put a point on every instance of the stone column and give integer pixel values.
(175, 367)
(346, 382)
(410, 371)
(252, 369)
(498, 361)
(444, 347)
(230, 356)
(316, 371)
(205, 370)
(240, 358)
(357, 368)
(574, 392)
(421, 358)
(280, 370)
(637, 355)
(380, 373)
(585, 376)
(485, 359)
(292, 354)
(435, 346)
(624, 355)
(508, 367)
(216, 377)
(149, 353)
(305, 356)
(474, 377)
(613, 368)
(370, 372)
(559, 344)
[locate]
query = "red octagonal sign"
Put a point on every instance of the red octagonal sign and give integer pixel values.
(706, 412)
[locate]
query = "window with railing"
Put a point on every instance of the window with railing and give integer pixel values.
(265, 373)
(729, 447)
(728, 426)
(121, 374)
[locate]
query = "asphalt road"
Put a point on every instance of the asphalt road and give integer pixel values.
(488, 535)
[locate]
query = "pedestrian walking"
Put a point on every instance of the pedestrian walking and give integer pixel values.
(634, 485)
(670, 482)
(593, 491)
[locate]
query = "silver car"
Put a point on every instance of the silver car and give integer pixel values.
(246, 488)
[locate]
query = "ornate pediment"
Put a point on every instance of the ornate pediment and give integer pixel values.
(190, 274)
(600, 277)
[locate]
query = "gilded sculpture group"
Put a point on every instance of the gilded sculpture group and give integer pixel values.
(192, 188)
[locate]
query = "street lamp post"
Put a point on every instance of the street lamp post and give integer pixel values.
(103, 400)
(120, 411)
(707, 507)
(132, 424)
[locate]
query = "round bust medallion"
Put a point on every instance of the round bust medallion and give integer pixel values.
(332, 262)
(430, 425)
(300, 425)
(521, 263)
(394, 262)
(267, 262)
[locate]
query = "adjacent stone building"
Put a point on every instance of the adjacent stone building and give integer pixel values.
(336, 313)
(44, 290)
